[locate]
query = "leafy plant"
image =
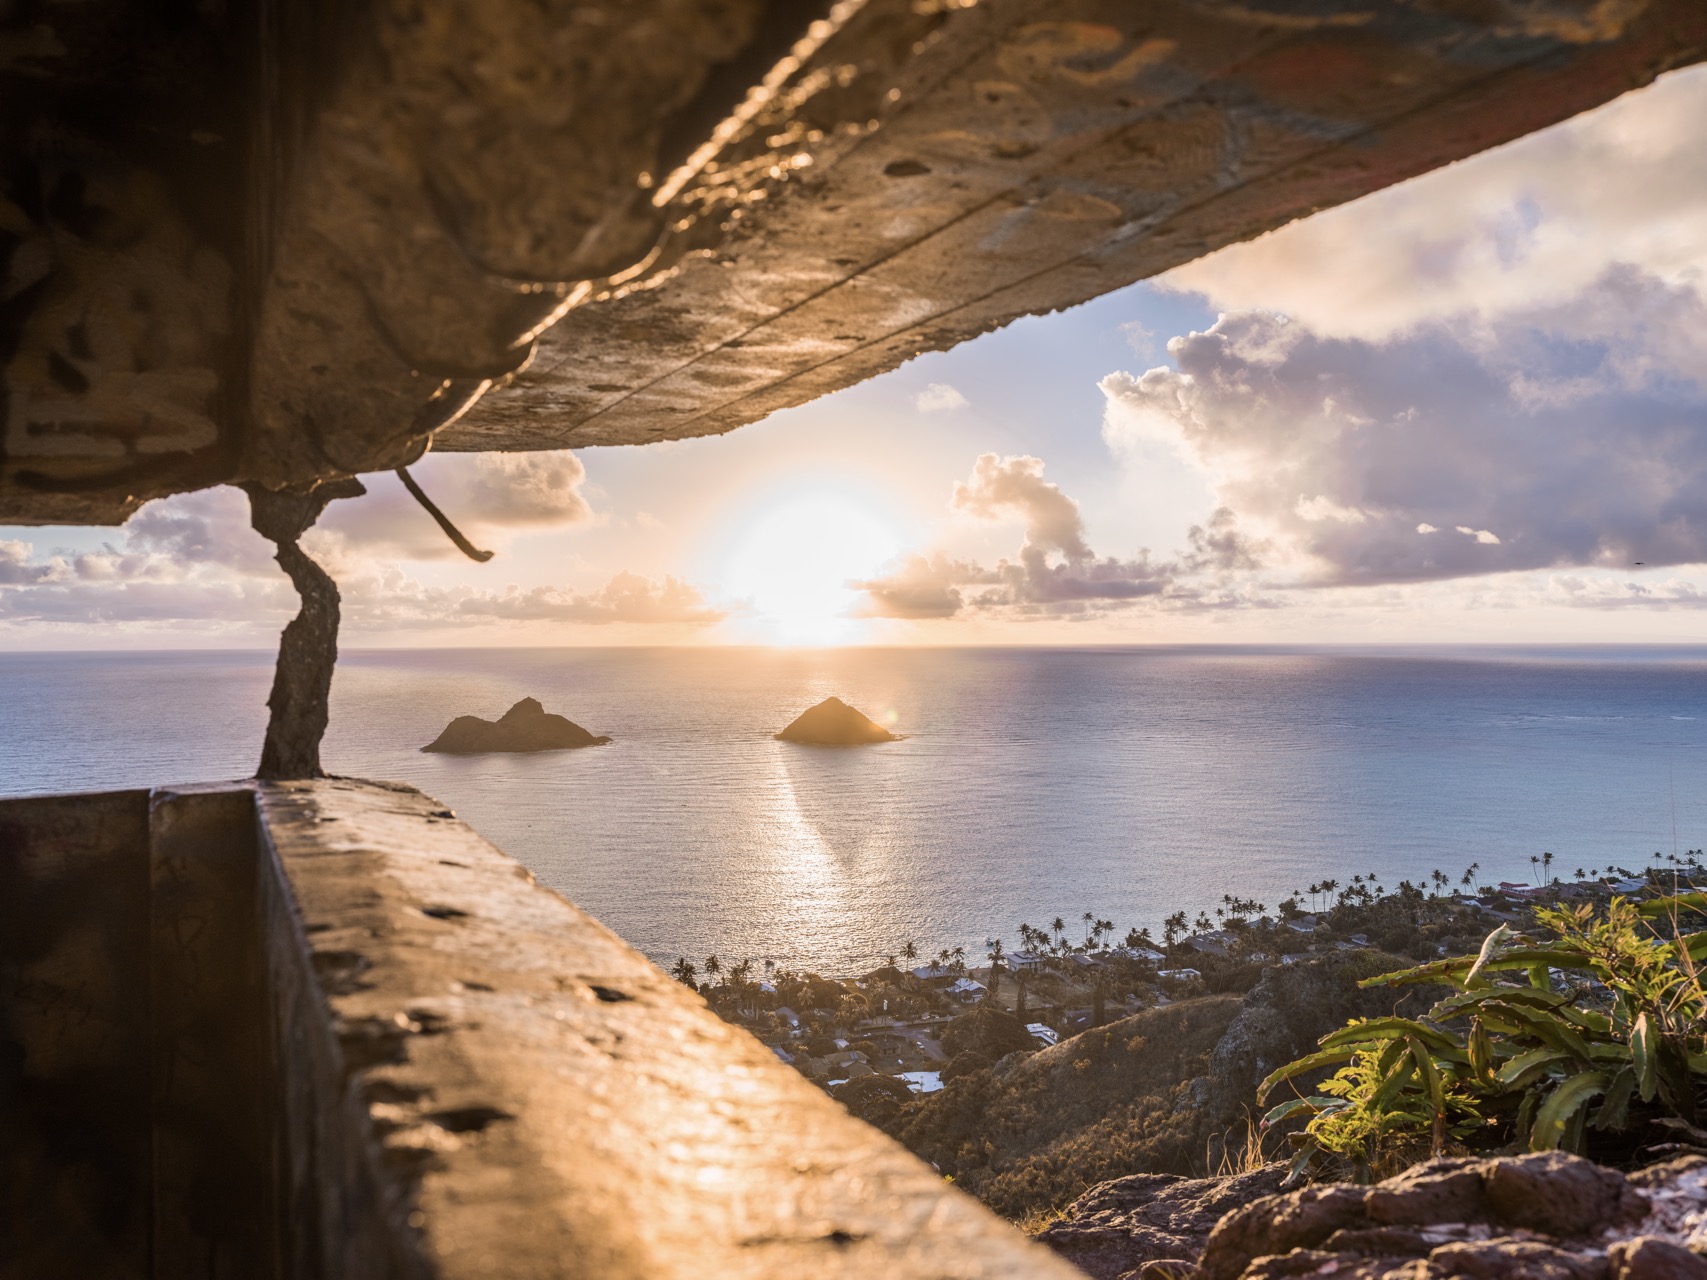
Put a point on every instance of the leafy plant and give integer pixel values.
(1607, 1026)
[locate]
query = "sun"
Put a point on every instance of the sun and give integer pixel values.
(795, 560)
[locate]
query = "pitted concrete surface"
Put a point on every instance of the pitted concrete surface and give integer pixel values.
(562, 1107)
(316, 240)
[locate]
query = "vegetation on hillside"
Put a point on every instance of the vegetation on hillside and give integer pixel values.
(1165, 1041)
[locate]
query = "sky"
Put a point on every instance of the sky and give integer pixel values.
(1470, 408)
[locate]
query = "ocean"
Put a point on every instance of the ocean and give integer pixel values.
(1033, 783)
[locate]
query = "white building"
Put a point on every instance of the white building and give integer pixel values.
(966, 989)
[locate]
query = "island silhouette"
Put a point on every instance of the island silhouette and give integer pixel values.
(527, 726)
(832, 723)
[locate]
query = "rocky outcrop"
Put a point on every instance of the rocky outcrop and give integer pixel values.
(1282, 1017)
(1116, 1228)
(1546, 1216)
(832, 723)
(527, 726)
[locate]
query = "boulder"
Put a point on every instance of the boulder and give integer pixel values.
(527, 726)
(832, 723)
(1546, 1216)
(1536, 1216)
(1122, 1226)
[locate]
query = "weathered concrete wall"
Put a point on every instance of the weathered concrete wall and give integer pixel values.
(171, 1099)
(287, 242)
(324, 1030)
(75, 1133)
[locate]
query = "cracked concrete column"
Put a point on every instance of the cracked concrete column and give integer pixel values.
(308, 649)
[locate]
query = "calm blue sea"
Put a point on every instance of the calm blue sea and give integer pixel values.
(1035, 783)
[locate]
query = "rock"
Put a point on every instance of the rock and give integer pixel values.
(1650, 1258)
(832, 723)
(1284, 1015)
(524, 727)
(1545, 1216)
(1164, 1269)
(1129, 1223)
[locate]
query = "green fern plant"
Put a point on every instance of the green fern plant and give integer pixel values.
(1606, 1024)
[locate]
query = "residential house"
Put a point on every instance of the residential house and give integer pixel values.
(1147, 954)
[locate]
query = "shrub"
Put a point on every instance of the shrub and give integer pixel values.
(989, 1031)
(1500, 1061)
(875, 1099)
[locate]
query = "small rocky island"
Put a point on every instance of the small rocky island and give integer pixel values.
(527, 726)
(832, 723)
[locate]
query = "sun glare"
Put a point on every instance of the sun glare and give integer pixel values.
(795, 560)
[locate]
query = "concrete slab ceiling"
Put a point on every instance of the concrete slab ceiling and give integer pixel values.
(316, 240)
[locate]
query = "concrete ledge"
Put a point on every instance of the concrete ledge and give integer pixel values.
(359, 1041)
(563, 1107)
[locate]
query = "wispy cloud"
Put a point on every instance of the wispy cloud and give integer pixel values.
(939, 397)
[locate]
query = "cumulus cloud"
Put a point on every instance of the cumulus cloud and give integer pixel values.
(1055, 572)
(18, 568)
(1534, 221)
(939, 397)
(1573, 435)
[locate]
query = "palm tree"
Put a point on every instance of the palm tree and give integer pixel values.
(1089, 919)
(911, 951)
(713, 967)
(1060, 927)
(995, 954)
(1547, 868)
(1172, 928)
(684, 972)
(739, 978)
(957, 960)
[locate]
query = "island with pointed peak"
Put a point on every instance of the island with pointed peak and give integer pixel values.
(527, 726)
(833, 723)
